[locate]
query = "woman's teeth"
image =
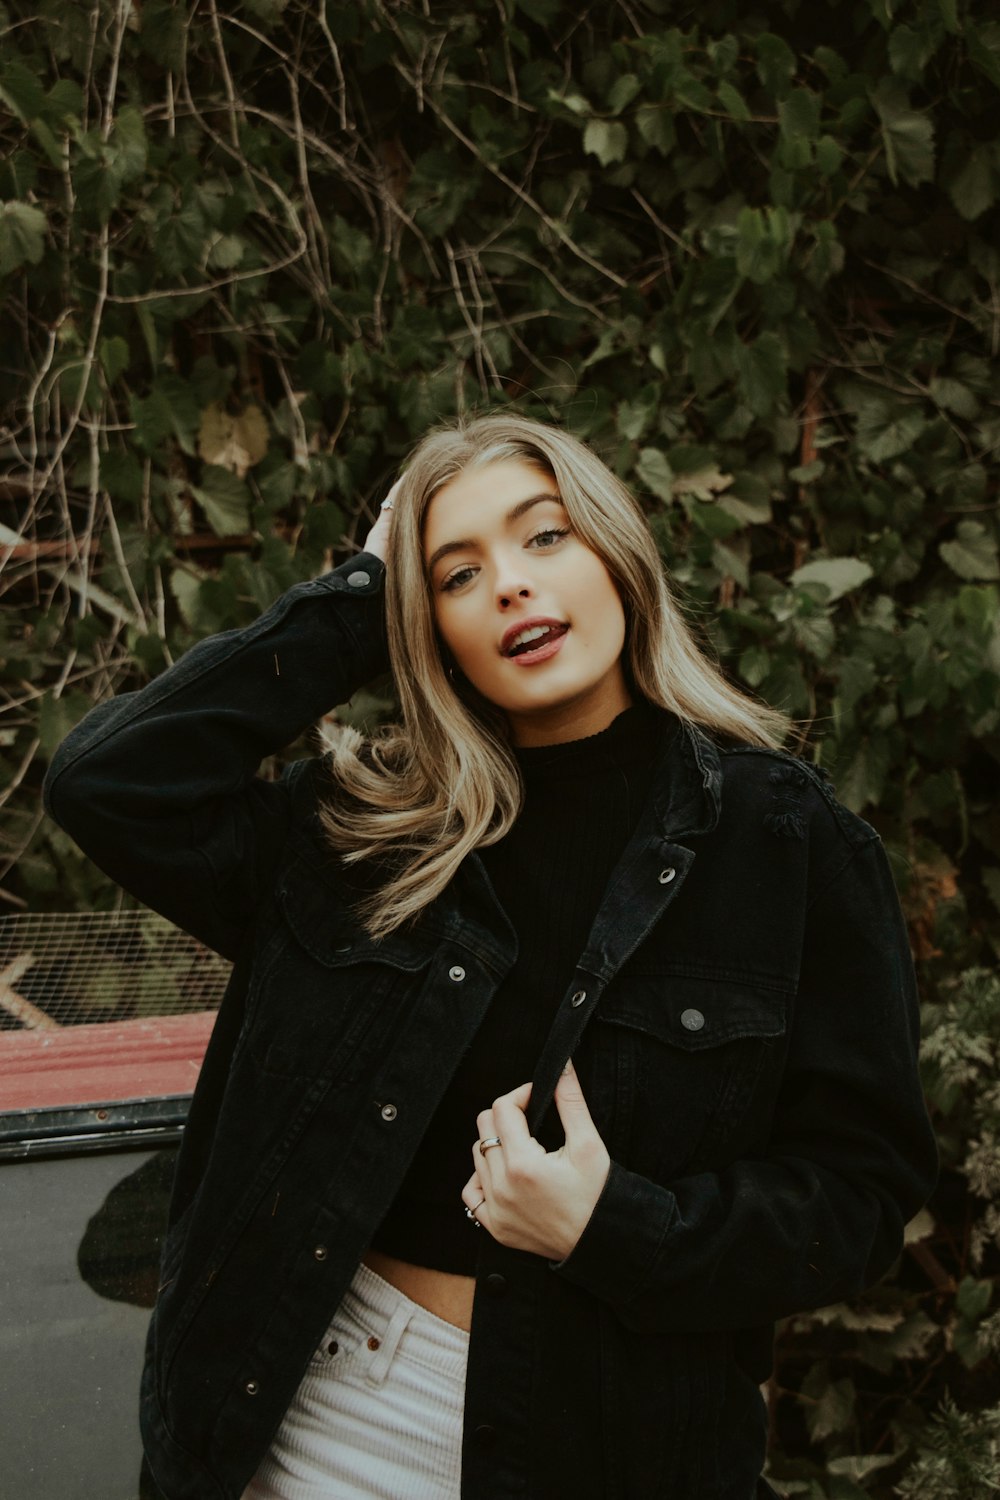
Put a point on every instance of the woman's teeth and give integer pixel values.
(525, 638)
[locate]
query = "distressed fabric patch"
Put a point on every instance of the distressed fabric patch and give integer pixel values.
(784, 816)
(786, 821)
(785, 775)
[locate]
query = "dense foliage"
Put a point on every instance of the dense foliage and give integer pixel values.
(248, 253)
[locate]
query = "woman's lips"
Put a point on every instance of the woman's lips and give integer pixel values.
(542, 652)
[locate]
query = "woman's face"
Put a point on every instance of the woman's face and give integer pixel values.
(503, 560)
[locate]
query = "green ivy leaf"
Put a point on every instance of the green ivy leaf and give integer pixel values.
(113, 354)
(974, 189)
(973, 1298)
(622, 93)
(22, 236)
(775, 63)
(227, 252)
(861, 1465)
(952, 395)
(121, 475)
(225, 501)
(764, 239)
(829, 155)
(910, 51)
(178, 241)
(21, 91)
(838, 575)
(127, 145)
(833, 1412)
(754, 665)
(170, 409)
(763, 373)
(798, 115)
(983, 45)
(973, 553)
(655, 473)
(864, 780)
(607, 140)
(887, 428)
(732, 101)
(655, 124)
(574, 102)
(64, 102)
(907, 135)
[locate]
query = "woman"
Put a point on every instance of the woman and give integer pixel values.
(577, 913)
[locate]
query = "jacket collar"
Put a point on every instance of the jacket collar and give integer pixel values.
(687, 783)
(685, 801)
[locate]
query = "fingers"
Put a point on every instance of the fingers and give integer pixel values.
(505, 1119)
(509, 1120)
(377, 540)
(473, 1193)
(574, 1113)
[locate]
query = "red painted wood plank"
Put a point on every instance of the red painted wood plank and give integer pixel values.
(101, 1064)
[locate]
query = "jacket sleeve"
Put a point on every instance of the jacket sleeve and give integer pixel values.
(160, 787)
(819, 1215)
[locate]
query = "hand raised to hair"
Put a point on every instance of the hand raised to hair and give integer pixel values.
(529, 1198)
(377, 540)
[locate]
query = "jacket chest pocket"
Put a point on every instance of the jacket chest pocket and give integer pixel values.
(697, 1064)
(323, 996)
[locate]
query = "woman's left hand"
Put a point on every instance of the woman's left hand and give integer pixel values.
(529, 1198)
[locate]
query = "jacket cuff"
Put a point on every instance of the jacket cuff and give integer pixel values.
(361, 575)
(361, 578)
(616, 1255)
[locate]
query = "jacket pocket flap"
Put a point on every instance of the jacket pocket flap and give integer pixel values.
(694, 1013)
(318, 912)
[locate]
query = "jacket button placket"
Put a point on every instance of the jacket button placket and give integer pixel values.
(498, 1418)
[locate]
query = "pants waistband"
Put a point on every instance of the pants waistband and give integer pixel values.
(398, 1322)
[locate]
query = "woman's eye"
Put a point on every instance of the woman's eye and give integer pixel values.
(549, 537)
(456, 579)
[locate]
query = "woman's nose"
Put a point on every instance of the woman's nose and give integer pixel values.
(506, 596)
(510, 578)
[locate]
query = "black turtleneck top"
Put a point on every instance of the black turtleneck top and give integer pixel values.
(582, 803)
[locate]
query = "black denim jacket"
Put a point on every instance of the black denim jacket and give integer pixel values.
(747, 1045)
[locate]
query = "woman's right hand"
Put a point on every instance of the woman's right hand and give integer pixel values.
(377, 540)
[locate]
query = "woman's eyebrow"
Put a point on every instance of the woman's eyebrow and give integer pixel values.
(464, 543)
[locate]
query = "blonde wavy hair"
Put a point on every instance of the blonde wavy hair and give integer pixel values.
(423, 793)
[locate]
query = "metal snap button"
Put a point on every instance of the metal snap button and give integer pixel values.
(374, 1343)
(457, 973)
(252, 1387)
(485, 1435)
(692, 1020)
(320, 1252)
(667, 875)
(332, 1347)
(359, 579)
(389, 1111)
(578, 998)
(496, 1284)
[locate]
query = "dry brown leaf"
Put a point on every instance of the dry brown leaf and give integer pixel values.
(233, 442)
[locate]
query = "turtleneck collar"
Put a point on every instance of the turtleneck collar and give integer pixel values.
(630, 739)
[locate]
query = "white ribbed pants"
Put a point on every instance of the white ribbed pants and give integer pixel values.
(378, 1415)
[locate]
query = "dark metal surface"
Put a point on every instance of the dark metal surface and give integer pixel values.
(79, 1253)
(115, 1126)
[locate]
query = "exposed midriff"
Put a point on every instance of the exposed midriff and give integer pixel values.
(440, 1292)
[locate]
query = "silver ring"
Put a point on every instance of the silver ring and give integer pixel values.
(470, 1213)
(386, 505)
(490, 1140)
